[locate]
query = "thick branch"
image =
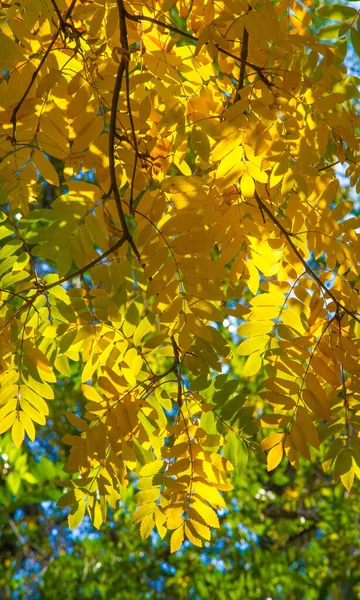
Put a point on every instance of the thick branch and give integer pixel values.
(308, 269)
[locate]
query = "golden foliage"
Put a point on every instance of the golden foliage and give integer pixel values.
(188, 151)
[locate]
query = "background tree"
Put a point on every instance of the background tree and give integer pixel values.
(166, 169)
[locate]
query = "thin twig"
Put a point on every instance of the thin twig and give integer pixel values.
(329, 166)
(243, 58)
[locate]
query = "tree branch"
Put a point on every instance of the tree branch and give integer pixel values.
(38, 68)
(308, 269)
(125, 47)
(112, 127)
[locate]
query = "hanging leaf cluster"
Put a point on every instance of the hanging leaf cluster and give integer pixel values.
(167, 165)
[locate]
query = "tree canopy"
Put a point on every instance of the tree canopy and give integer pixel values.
(179, 261)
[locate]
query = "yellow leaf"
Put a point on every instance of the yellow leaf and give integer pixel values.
(35, 400)
(88, 135)
(253, 364)
(201, 529)
(247, 186)
(146, 496)
(28, 425)
(8, 407)
(274, 456)
(206, 513)
(307, 427)
(254, 280)
(32, 412)
(255, 328)
(268, 299)
(7, 422)
(173, 522)
(190, 533)
(209, 493)
(272, 440)
(177, 539)
(17, 433)
(142, 511)
(146, 527)
(253, 344)
(151, 468)
(315, 406)
(76, 514)
(299, 440)
(347, 479)
(321, 368)
(45, 167)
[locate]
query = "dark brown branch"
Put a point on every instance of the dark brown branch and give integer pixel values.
(134, 140)
(112, 131)
(329, 166)
(174, 366)
(45, 288)
(83, 270)
(59, 15)
(308, 269)
(243, 58)
(112, 127)
(38, 68)
(189, 36)
(125, 47)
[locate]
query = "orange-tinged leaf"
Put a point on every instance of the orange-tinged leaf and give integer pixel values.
(299, 440)
(307, 427)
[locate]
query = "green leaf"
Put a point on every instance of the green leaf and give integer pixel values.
(76, 515)
(13, 482)
(142, 329)
(237, 452)
(337, 12)
(355, 40)
(330, 32)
